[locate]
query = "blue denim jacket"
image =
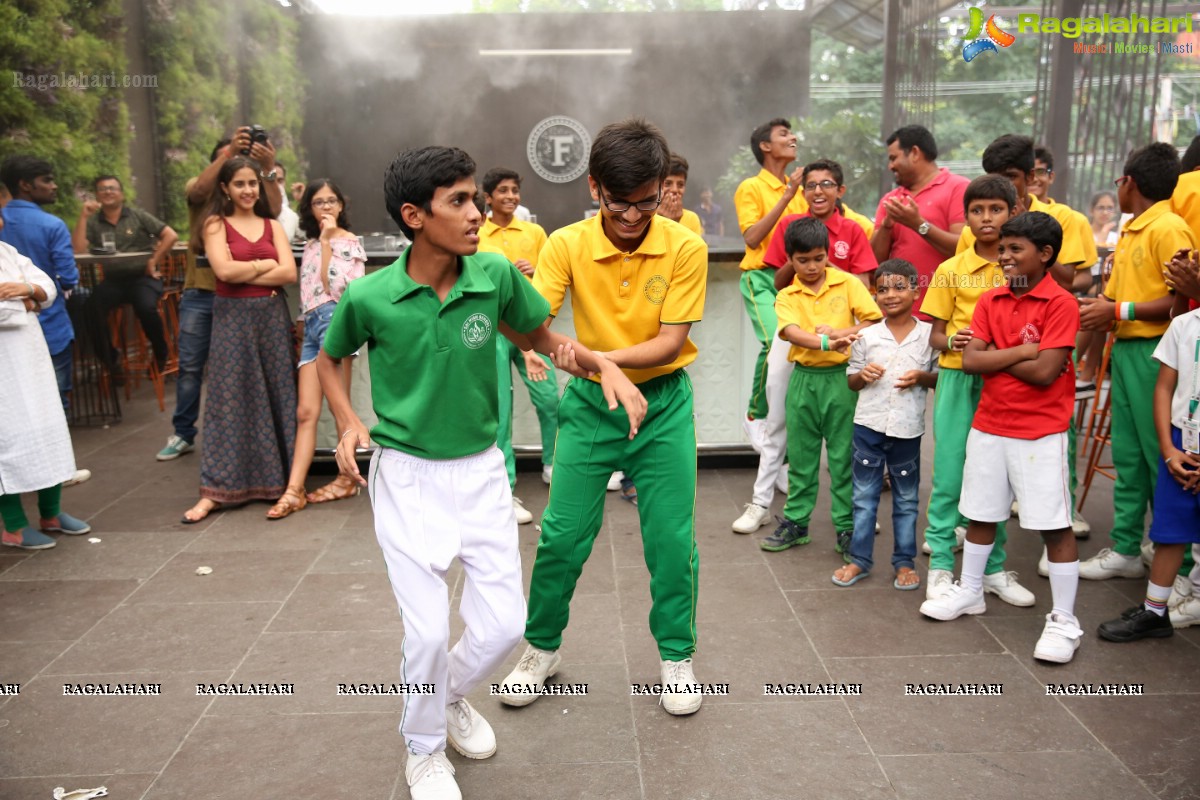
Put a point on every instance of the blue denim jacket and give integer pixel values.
(45, 240)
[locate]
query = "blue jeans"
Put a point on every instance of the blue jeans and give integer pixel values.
(64, 362)
(873, 452)
(195, 331)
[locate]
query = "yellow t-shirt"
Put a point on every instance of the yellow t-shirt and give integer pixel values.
(841, 302)
(691, 221)
(953, 292)
(517, 241)
(1078, 245)
(864, 222)
(753, 199)
(622, 299)
(1186, 200)
(1147, 243)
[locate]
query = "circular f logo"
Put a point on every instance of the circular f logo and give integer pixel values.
(558, 149)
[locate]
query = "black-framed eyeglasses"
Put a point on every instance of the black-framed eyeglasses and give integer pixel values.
(325, 202)
(1119, 182)
(812, 186)
(620, 207)
(1042, 172)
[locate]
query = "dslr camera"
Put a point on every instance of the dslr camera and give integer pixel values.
(257, 134)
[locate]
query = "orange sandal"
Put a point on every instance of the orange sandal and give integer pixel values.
(293, 499)
(339, 488)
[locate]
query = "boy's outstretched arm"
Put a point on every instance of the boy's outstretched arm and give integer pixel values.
(352, 434)
(979, 360)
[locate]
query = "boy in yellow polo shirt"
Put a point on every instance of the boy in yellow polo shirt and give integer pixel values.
(520, 242)
(1139, 301)
(637, 286)
(820, 315)
(674, 188)
(760, 202)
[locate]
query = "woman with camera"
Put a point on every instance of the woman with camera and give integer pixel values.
(250, 412)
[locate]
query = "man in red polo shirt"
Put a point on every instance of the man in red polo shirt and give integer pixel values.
(921, 219)
(1023, 337)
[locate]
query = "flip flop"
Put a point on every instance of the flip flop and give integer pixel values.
(629, 495)
(906, 587)
(857, 577)
(188, 521)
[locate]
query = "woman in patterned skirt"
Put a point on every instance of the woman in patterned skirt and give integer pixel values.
(250, 407)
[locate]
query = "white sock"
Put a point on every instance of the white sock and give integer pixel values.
(975, 558)
(1064, 581)
(1156, 598)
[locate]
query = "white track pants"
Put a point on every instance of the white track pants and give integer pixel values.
(779, 372)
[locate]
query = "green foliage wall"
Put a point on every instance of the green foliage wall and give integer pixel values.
(60, 63)
(221, 64)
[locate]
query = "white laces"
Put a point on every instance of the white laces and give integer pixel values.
(530, 660)
(435, 765)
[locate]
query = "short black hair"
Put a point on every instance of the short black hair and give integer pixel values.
(1039, 228)
(1008, 151)
(828, 166)
(1154, 169)
(497, 175)
(679, 166)
(216, 151)
(414, 176)
(1191, 157)
(990, 187)
(898, 266)
(804, 234)
(1044, 155)
(100, 178)
(308, 221)
(627, 155)
(23, 168)
(917, 136)
(763, 134)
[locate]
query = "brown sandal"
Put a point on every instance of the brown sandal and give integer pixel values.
(293, 499)
(339, 488)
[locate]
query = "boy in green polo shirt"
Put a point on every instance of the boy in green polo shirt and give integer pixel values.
(438, 484)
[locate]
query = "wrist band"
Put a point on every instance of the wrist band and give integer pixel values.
(824, 341)
(29, 286)
(1125, 312)
(347, 433)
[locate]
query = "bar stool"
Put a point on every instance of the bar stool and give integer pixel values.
(1099, 431)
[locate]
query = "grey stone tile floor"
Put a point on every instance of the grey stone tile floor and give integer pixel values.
(306, 601)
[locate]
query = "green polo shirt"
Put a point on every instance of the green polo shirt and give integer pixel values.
(135, 230)
(433, 363)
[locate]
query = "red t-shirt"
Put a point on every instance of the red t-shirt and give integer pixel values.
(242, 249)
(941, 205)
(1008, 406)
(849, 249)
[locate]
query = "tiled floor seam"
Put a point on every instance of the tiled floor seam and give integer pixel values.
(637, 742)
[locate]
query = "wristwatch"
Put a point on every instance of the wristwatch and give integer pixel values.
(923, 228)
(274, 173)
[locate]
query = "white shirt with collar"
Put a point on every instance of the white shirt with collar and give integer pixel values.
(899, 413)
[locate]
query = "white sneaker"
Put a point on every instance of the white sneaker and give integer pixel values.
(938, 583)
(1080, 526)
(523, 683)
(614, 481)
(954, 602)
(1044, 563)
(753, 518)
(1180, 591)
(1004, 585)
(960, 536)
(1186, 613)
(468, 732)
(547, 471)
(756, 432)
(677, 679)
(79, 477)
(1110, 564)
(431, 777)
(1059, 639)
(523, 514)
(781, 480)
(1147, 552)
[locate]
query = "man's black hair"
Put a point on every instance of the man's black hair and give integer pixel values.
(678, 166)
(762, 134)
(414, 176)
(100, 178)
(917, 136)
(805, 234)
(1039, 228)
(627, 155)
(1044, 155)
(216, 151)
(828, 166)
(23, 168)
(1009, 151)
(990, 187)
(1154, 169)
(497, 175)
(1191, 157)
(898, 266)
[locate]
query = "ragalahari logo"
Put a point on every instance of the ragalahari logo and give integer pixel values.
(973, 45)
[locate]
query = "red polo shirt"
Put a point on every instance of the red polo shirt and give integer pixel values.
(941, 205)
(1008, 406)
(849, 249)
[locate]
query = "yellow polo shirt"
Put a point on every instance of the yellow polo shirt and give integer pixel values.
(622, 299)
(691, 221)
(864, 222)
(1078, 245)
(516, 241)
(1186, 200)
(753, 199)
(841, 302)
(954, 290)
(1147, 243)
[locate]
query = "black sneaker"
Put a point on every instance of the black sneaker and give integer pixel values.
(1137, 623)
(843, 544)
(788, 534)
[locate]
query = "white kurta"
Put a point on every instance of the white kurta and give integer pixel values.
(35, 445)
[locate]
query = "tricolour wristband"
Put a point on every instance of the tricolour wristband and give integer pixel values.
(824, 341)
(1125, 312)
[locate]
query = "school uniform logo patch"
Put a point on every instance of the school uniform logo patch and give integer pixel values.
(1030, 334)
(476, 331)
(656, 289)
(841, 249)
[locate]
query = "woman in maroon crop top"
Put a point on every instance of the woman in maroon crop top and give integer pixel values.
(249, 426)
